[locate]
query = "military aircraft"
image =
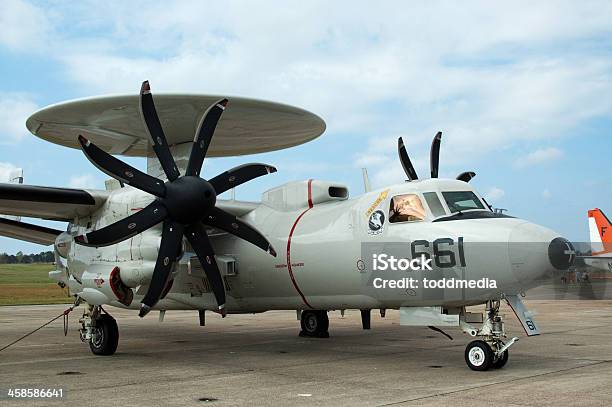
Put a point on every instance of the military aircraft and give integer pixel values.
(164, 240)
(600, 231)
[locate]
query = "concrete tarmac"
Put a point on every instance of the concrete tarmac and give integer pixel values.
(259, 360)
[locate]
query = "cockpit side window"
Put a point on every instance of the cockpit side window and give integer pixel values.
(462, 201)
(406, 208)
(434, 204)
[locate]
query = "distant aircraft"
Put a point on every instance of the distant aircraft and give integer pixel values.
(600, 230)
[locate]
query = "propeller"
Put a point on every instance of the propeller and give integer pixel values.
(405, 160)
(184, 203)
(466, 176)
(434, 155)
(434, 160)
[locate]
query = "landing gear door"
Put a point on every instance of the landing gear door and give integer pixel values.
(524, 316)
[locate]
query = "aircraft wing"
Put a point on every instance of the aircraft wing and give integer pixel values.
(595, 257)
(25, 231)
(237, 208)
(63, 204)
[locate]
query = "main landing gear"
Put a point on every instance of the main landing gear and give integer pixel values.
(314, 324)
(100, 329)
(490, 351)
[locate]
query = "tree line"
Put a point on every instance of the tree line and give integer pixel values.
(20, 258)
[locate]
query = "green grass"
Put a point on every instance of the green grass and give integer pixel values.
(29, 284)
(25, 273)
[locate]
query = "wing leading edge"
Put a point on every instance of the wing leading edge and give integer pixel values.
(63, 204)
(28, 232)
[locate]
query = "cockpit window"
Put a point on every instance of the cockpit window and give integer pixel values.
(458, 201)
(434, 204)
(406, 208)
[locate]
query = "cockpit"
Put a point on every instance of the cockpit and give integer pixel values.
(433, 205)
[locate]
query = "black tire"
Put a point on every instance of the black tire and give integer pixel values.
(315, 324)
(478, 356)
(107, 337)
(501, 362)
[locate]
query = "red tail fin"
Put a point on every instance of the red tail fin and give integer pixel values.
(600, 230)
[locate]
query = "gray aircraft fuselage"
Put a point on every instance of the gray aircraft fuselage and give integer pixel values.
(324, 243)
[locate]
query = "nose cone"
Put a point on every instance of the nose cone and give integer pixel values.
(536, 252)
(561, 253)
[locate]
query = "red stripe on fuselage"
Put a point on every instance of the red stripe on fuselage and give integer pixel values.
(289, 245)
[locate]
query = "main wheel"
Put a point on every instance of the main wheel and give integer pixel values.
(314, 323)
(479, 356)
(501, 361)
(105, 336)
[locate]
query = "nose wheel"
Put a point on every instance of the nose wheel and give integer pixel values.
(489, 352)
(478, 355)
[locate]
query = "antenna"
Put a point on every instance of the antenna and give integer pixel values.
(366, 180)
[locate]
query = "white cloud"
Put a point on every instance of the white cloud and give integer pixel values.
(493, 77)
(24, 26)
(494, 194)
(14, 110)
(86, 181)
(540, 156)
(397, 59)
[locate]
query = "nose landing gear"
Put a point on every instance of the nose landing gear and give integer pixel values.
(491, 351)
(100, 330)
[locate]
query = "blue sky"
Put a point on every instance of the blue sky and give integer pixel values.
(521, 91)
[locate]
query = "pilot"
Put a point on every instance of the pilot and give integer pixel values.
(406, 208)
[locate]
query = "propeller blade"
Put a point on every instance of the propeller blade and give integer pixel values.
(121, 230)
(169, 250)
(204, 135)
(466, 176)
(434, 157)
(201, 245)
(120, 170)
(239, 175)
(154, 128)
(220, 219)
(405, 160)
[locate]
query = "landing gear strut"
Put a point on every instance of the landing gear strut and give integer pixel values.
(490, 351)
(100, 330)
(314, 324)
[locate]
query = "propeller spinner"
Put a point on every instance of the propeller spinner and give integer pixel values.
(434, 160)
(184, 203)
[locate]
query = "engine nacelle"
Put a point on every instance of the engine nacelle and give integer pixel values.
(102, 284)
(300, 194)
(135, 273)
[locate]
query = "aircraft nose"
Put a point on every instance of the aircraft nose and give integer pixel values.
(535, 251)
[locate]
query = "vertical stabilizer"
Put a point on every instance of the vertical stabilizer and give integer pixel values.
(600, 231)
